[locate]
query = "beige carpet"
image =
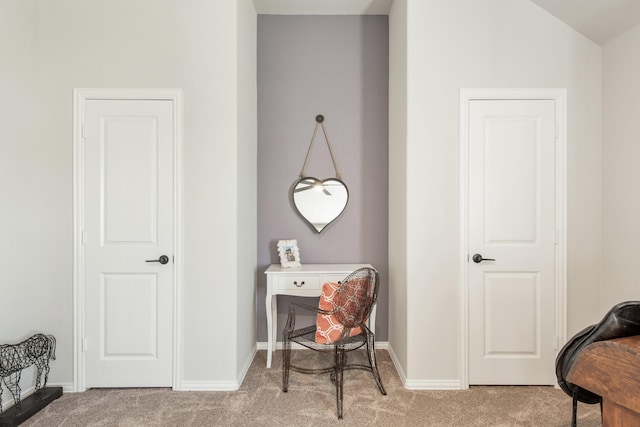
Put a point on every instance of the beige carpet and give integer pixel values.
(311, 402)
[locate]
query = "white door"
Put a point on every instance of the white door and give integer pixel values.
(512, 226)
(128, 220)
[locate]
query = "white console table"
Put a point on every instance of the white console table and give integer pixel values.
(304, 281)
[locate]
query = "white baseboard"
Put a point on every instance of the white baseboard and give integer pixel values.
(7, 397)
(410, 384)
(246, 366)
(221, 385)
(432, 385)
(210, 386)
(398, 366)
(66, 387)
(380, 345)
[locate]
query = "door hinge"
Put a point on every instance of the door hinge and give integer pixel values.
(84, 237)
(84, 130)
(556, 130)
(556, 342)
(557, 237)
(84, 344)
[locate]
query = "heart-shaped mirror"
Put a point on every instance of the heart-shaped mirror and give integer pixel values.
(320, 202)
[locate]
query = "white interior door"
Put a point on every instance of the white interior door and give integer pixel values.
(511, 216)
(129, 207)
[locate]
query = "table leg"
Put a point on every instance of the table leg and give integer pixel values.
(274, 322)
(269, 312)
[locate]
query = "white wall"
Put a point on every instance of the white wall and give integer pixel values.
(191, 45)
(201, 46)
(455, 44)
(18, 174)
(398, 184)
(621, 175)
(247, 183)
(19, 261)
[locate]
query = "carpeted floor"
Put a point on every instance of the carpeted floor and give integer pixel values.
(311, 402)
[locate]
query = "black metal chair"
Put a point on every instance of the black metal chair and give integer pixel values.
(351, 305)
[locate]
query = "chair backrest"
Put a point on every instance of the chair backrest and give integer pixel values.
(354, 299)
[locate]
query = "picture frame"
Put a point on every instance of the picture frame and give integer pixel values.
(289, 253)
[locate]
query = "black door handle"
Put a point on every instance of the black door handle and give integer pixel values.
(162, 260)
(477, 258)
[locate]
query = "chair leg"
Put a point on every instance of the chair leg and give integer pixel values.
(339, 377)
(286, 348)
(601, 410)
(371, 354)
(286, 361)
(574, 412)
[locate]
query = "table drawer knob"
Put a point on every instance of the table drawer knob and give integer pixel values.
(298, 285)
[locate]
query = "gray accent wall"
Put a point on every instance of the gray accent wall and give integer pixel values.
(337, 66)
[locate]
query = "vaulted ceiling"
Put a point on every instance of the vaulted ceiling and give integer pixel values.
(599, 20)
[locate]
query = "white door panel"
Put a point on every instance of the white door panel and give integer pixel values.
(129, 179)
(512, 220)
(128, 220)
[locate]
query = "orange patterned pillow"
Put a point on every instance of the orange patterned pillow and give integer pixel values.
(328, 329)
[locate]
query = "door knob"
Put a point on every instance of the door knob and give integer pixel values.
(162, 260)
(477, 258)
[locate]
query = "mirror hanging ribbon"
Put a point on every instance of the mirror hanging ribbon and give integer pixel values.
(320, 202)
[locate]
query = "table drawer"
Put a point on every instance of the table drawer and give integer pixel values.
(335, 278)
(299, 282)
